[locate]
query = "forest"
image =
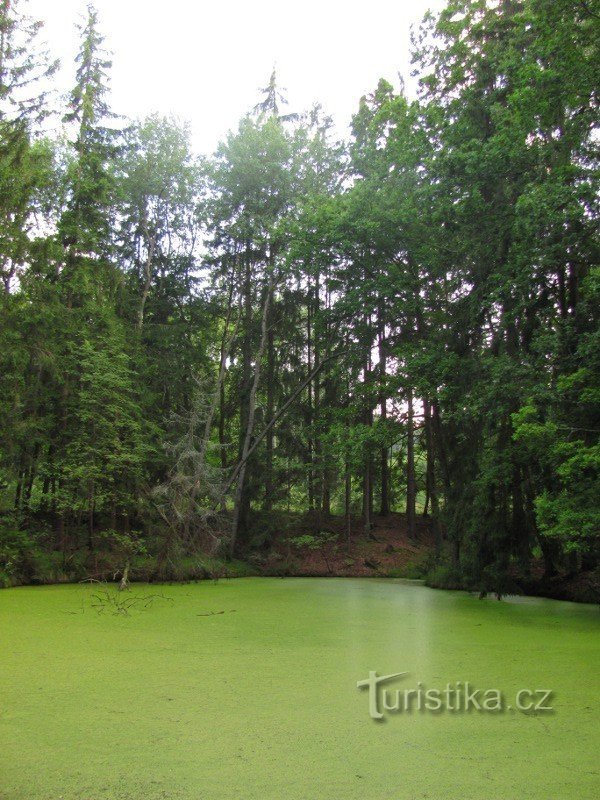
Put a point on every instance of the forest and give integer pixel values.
(202, 355)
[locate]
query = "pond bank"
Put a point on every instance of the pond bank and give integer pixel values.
(386, 552)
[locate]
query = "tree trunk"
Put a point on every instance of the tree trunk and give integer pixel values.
(61, 539)
(348, 500)
(91, 516)
(384, 468)
(269, 485)
(318, 446)
(309, 412)
(367, 506)
(366, 498)
(239, 494)
(411, 486)
(440, 447)
(218, 398)
(284, 408)
(147, 275)
(223, 452)
(124, 584)
(432, 494)
(430, 468)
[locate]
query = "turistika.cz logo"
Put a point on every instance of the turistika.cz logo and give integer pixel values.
(460, 696)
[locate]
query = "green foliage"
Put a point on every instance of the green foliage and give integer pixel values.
(203, 349)
(314, 541)
(324, 542)
(18, 552)
(445, 577)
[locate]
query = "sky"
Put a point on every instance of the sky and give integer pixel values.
(204, 62)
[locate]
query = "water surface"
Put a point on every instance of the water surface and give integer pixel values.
(178, 700)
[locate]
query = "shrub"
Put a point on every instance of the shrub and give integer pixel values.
(444, 577)
(18, 553)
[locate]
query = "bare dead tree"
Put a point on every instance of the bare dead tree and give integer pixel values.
(187, 499)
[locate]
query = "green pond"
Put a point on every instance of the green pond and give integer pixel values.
(178, 700)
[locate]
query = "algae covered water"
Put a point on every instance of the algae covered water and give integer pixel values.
(248, 689)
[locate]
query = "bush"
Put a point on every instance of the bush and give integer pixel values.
(19, 551)
(444, 577)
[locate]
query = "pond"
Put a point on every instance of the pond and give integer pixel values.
(248, 689)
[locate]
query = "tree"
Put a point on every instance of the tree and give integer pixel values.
(23, 104)
(107, 444)
(84, 228)
(508, 132)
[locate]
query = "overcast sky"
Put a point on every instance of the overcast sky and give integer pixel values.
(205, 61)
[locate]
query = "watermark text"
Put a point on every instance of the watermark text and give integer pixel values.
(460, 696)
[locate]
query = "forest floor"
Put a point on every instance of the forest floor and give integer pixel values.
(387, 550)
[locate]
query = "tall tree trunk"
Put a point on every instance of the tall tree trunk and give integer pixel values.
(309, 411)
(148, 263)
(222, 417)
(367, 503)
(326, 493)
(245, 389)
(366, 498)
(218, 398)
(246, 348)
(384, 468)
(429, 470)
(29, 484)
(411, 484)
(91, 495)
(239, 494)
(318, 445)
(520, 532)
(329, 401)
(279, 415)
(47, 483)
(432, 493)
(269, 484)
(440, 448)
(61, 534)
(348, 499)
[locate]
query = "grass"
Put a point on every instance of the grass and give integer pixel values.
(247, 689)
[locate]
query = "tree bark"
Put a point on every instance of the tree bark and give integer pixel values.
(269, 480)
(432, 494)
(151, 244)
(384, 468)
(91, 493)
(218, 397)
(309, 413)
(348, 500)
(367, 504)
(318, 445)
(237, 507)
(411, 488)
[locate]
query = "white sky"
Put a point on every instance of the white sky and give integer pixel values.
(205, 61)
